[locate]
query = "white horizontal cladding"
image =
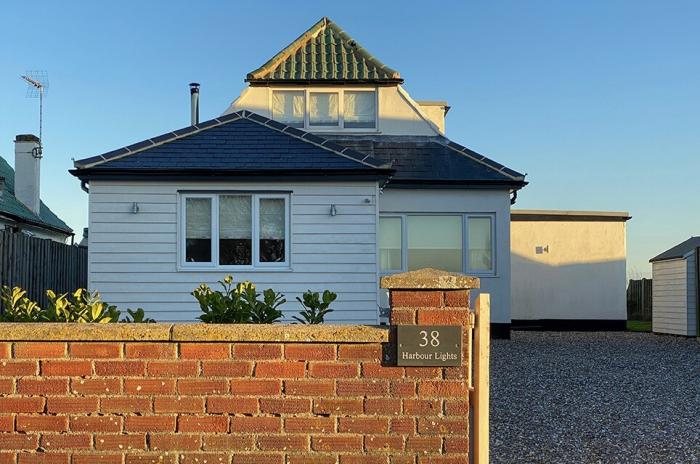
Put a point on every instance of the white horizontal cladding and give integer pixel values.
(133, 257)
(670, 297)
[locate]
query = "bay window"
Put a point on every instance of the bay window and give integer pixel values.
(325, 109)
(235, 230)
(450, 242)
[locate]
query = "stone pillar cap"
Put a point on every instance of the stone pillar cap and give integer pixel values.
(429, 279)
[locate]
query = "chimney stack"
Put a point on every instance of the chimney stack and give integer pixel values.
(194, 102)
(27, 171)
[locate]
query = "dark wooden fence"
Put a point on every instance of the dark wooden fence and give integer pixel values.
(38, 265)
(639, 300)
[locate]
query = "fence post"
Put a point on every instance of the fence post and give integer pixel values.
(480, 393)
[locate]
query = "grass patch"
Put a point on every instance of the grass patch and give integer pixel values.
(639, 326)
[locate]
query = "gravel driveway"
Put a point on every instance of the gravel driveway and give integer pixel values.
(599, 397)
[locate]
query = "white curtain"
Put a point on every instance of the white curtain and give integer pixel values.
(272, 218)
(198, 214)
(359, 109)
(288, 107)
(323, 109)
(235, 217)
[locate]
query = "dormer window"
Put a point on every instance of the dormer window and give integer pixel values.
(326, 110)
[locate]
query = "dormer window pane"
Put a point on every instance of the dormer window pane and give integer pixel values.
(360, 110)
(323, 109)
(288, 107)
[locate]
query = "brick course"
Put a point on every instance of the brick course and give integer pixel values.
(282, 402)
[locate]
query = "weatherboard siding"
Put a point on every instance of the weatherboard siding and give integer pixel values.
(670, 297)
(133, 257)
(692, 294)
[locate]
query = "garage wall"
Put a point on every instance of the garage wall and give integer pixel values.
(568, 269)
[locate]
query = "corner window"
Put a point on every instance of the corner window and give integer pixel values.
(435, 241)
(232, 230)
(325, 109)
(390, 239)
(288, 107)
(450, 242)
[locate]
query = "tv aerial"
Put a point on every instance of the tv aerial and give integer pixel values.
(37, 85)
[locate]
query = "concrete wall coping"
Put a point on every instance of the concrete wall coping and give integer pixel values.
(196, 332)
(429, 279)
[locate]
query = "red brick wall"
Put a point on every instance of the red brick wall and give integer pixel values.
(219, 402)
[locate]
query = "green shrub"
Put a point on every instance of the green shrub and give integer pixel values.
(315, 306)
(238, 304)
(79, 306)
(18, 308)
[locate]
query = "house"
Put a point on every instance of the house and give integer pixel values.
(568, 269)
(21, 209)
(323, 174)
(675, 290)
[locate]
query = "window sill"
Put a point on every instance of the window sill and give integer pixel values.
(224, 269)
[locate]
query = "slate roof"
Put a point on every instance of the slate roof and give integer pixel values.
(679, 250)
(324, 53)
(240, 143)
(14, 209)
(420, 160)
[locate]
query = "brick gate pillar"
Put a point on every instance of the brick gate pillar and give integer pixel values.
(433, 297)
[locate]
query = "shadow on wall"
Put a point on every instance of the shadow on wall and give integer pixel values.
(589, 291)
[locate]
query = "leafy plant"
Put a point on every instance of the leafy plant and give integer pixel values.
(265, 311)
(238, 303)
(18, 308)
(137, 316)
(80, 306)
(315, 306)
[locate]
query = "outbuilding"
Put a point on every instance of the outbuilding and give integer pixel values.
(568, 269)
(675, 303)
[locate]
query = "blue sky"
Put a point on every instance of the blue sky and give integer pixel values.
(598, 101)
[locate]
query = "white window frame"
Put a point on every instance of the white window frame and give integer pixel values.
(183, 264)
(465, 241)
(341, 108)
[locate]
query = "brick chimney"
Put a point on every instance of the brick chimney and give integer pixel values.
(27, 171)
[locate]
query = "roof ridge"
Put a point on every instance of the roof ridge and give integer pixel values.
(168, 137)
(479, 158)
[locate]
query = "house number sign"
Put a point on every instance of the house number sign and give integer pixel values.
(429, 345)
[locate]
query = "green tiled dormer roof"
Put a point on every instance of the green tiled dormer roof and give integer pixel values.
(324, 54)
(11, 207)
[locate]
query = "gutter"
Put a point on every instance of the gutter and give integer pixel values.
(41, 225)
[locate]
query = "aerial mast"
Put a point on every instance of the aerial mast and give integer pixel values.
(37, 84)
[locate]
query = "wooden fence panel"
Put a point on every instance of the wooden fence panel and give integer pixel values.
(639, 300)
(38, 265)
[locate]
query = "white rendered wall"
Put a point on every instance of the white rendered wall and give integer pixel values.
(581, 276)
(398, 114)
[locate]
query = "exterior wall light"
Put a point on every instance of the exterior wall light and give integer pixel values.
(135, 208)
(334, 210)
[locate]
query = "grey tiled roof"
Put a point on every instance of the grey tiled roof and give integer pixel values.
(238, 142)
(12, 207)
(424, 159)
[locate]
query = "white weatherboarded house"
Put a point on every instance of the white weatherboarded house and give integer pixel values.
(675, 289)
(323, 174)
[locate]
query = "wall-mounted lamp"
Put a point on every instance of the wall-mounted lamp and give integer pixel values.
(135, 208)
(334, 210)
